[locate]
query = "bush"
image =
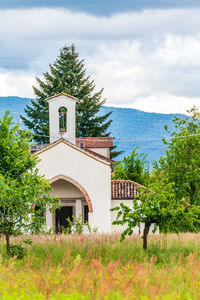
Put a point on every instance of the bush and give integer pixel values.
(75, 226)
(17, 250)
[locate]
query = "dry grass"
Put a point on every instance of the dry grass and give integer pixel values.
(100, 267)
(182, 238)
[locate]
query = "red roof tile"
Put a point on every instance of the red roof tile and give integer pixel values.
(124, 189)
(95, 142)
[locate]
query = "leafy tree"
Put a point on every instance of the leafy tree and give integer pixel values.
(21, 187)
(157, 207)
(133, 167)
(67, 74)
(181, 162)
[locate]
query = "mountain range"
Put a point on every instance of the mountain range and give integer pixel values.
(130, 127)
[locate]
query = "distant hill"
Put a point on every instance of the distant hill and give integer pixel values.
(130, 127)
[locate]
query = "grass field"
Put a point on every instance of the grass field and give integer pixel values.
(100, 267)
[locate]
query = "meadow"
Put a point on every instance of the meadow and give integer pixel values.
(101, 267)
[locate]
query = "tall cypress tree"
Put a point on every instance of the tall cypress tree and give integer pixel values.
(67, 74)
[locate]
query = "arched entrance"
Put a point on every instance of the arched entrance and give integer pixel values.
(74, 198)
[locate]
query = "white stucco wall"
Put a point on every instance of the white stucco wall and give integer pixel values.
(102, 151)
(64, 189)
(118, 228)
(93, 175)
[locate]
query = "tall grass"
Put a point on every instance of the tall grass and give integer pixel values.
(100, 267)
(108, 248)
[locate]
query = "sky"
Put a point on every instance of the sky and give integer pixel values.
(145, 54)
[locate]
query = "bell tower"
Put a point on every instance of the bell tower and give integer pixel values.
(62, 117)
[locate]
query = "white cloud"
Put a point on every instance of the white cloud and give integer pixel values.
(129, 73)
(148, 60)
(166, 104)
(48, 22)
(18, 83)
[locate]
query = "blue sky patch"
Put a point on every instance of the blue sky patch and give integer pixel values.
(103, 7)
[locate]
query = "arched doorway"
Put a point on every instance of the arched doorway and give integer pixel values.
(75, 201)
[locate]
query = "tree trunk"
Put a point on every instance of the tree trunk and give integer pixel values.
(7, 243)
(139, 228)
(145, 233)
(193, 189)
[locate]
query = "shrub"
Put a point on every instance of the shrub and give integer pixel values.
(17, 251)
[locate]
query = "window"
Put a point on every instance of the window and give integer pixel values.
(86, 213)
(81, 145)
(62, 119)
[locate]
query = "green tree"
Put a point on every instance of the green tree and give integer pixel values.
(21, 187)
(157, 207)
(133, 167)
(67, 74)
(181, 162)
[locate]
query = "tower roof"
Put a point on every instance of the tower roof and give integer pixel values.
(96, 142)
(62, 94)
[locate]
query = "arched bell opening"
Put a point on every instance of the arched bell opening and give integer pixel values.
(62, 119)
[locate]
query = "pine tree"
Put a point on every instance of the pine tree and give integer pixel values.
(67, 74)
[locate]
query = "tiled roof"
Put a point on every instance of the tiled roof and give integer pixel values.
(96, 142)
(124, 189)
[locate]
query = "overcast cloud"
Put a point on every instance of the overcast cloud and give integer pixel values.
(147, 59)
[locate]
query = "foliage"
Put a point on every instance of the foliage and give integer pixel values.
(133, 167)
(17, 250)
(157, 207)
(43, 229)
(77, 226)
(67, 74)
(21, 187)
(91, 229)
(28, 241)
(181, 162)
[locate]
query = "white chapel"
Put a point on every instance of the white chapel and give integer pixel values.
(79, 171)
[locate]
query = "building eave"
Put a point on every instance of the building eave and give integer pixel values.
(62, 94)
